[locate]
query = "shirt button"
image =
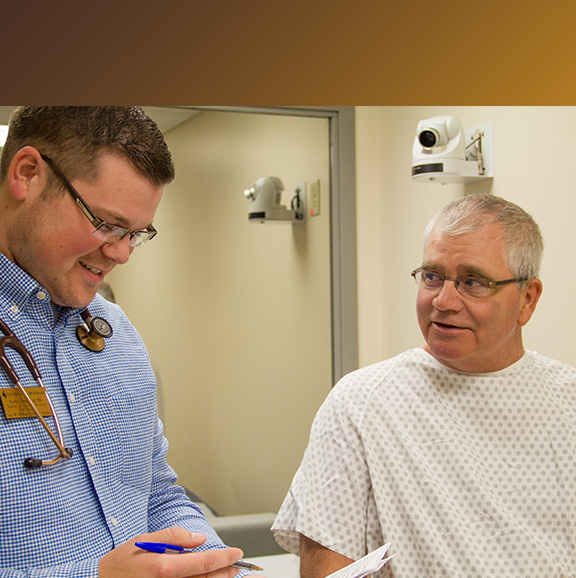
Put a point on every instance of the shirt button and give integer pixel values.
(72, 397)
(114, 522)
(91, 461)
(14, 308)
(40, 295)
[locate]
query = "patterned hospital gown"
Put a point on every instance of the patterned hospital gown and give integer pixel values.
(468, 475)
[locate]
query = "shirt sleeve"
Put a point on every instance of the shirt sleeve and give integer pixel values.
(330, 498)
(83, 569)
(170, 506)
(168, 503)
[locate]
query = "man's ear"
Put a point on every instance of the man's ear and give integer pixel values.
(531, 295)
(27, 173)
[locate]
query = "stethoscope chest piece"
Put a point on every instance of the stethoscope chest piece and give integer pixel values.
(93, 331)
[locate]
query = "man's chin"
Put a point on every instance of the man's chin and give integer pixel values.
(74, 301)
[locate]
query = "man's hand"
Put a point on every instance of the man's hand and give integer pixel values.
(128, 561)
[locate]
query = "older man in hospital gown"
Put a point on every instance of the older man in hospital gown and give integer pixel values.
(461, 452)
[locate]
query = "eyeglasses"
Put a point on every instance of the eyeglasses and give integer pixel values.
(472, 285)
(104, 231)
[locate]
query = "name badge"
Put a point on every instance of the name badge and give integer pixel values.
(15, 404)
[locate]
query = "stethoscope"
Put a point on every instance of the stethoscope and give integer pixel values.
(91, 335)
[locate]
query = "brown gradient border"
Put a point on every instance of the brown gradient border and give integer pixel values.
(381, 53)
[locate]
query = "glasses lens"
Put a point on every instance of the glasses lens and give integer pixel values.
(429, 279)
(110, 233)
(468, 285)
(140, 237)
(476, 286)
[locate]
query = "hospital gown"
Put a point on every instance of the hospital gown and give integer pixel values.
(468, 475)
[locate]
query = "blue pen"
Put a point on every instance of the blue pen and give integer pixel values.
(159, 548)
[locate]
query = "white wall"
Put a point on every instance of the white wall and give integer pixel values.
(534, 167)
(236, 316)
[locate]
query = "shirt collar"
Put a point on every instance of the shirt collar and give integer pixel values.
(19, 289)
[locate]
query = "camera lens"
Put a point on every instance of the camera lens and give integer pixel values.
(428, 139)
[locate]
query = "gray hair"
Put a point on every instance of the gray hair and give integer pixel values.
(524, 242)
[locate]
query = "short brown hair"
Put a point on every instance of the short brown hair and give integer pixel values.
(75, 137)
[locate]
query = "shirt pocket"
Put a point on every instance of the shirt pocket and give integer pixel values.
(133, 424)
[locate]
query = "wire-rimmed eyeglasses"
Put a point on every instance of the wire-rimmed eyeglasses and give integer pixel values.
(473, 285)
(104, 231)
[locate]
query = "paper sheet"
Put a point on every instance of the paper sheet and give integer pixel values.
(370, 563)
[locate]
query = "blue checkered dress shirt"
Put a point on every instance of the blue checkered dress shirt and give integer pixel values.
(58, 520)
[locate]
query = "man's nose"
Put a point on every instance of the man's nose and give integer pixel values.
(448, 297)
(118, 251)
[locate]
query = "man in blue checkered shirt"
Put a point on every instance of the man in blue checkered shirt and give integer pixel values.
(79, 187)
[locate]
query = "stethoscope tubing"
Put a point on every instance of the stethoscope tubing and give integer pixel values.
(92, 338)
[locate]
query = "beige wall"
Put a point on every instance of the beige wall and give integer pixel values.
(534, 167)
(236, 316)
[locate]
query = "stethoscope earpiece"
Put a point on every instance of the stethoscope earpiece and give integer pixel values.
(32, 463)
(93, 331)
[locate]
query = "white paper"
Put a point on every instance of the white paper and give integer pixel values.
(370, 563)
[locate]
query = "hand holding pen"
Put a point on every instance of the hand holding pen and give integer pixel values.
(160, 548)
(129, 561)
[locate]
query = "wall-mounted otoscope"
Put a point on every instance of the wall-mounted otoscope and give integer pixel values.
(93, 331)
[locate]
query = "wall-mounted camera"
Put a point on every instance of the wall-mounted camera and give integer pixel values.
(265, 196)
(444, 152)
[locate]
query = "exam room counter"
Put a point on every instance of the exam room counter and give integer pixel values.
(278, 566)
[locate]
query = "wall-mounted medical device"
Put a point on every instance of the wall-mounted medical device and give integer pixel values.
(265, 196)
(444, 152)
